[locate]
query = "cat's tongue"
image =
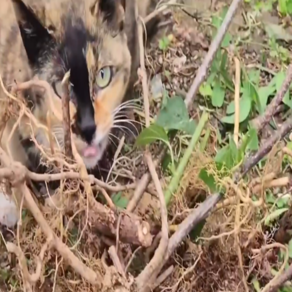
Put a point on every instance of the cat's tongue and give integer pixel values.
(90, 151)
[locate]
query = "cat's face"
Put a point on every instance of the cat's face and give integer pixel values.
(85, 38)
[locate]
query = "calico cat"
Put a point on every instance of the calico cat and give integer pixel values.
(95, 41)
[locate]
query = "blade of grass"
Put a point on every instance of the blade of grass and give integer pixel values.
(183, 162)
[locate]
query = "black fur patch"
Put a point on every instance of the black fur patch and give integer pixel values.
(110, 9)
(36, 166)
(35, 36)
(72, 50)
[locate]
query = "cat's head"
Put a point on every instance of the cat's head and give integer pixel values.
(87, 39)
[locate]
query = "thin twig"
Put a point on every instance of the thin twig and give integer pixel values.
(143, 183)
(280, 280)
(215, 45)
(159, 10)
(163, 276)
(116, 261)
(10, 173)
(193, 219)
(143, 74)
(66, 116)
(151, 271)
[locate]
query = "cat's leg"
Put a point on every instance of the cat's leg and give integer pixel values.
(43, 191)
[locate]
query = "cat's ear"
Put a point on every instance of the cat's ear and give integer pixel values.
(112, 11)
(35, 36)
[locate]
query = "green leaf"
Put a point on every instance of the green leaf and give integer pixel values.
(277, 32)
(289, 7)
(165, 162)
(120, 201)
(215, 66)
(226, 40)
(282, 6)
(216, 21)
(254, 76)
(208, 179)
(224, 157)
(205, 89)
(225, 78)
(275, 214)
(250, 92)
(253, 143)
(245, 107)
(280, 77)
(231, 108)
(218, 95)
(270, 198)
(175, 116)
(264, 93)
(235, 152)
(4, 274)
(286, 289)
(164, 43)
(283, 202)
(256, 284)
(165, 98)
(224, 60)
(151, 134)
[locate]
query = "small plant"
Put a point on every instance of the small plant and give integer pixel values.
(285, 7)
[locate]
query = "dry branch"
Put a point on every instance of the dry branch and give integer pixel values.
(280, 281)
(193, 219)
(102, 219)
(9, 173)
(266, 148)
(260, 122)
(215, 45)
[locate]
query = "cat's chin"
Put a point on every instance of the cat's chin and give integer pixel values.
(91, 162)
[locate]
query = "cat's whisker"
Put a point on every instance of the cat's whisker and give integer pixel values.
(111, 139)
(128, 104)
(126, 128)
(118, 123)
(124, 108)
(125, 118)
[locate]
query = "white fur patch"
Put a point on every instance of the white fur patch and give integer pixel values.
(9, 214)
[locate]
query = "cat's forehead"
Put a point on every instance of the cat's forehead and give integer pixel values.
(63, 16)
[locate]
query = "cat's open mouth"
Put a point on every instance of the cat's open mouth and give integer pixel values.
(91, 151)
(94, 150)
(91, 154)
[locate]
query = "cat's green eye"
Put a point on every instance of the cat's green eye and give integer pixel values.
(104, 77)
